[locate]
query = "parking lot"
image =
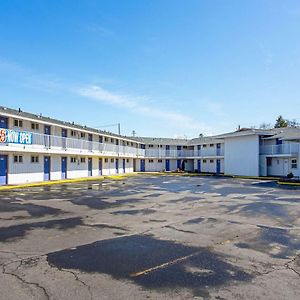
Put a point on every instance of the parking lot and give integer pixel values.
(154, 237)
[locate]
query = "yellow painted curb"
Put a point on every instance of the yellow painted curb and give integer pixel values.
(288, 183)
(254, 177)
(84, 179)
(207, 174)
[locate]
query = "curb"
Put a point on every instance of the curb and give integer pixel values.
(288, 183)
(65, 181)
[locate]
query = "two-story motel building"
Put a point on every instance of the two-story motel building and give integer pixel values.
(36, 148)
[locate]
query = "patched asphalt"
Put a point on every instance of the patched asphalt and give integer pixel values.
(151, 237)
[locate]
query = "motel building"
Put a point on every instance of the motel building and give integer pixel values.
(36, 148)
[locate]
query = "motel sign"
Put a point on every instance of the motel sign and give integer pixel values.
(15, 137)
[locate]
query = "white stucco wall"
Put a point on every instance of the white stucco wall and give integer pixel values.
(189, 165)
(281, 166)
(242, 155)
(26, 171)
(155, 166)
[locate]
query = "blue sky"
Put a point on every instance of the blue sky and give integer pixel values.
(159, 67)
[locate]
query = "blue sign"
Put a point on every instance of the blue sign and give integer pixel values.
(15, 137)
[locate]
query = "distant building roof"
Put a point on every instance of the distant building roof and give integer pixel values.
(161, 141)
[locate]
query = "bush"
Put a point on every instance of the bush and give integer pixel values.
(290, 175)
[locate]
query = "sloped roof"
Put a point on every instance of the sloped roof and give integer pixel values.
(161, 141)
(246, 132)
(286, 133)
(41, 118)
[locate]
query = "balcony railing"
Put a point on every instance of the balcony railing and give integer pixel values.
(210, 152)
(80, 146)
(283, 149)
(184, 153)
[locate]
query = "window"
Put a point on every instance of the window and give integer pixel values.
(184, 147)
(204, 146)
(106, 139)
(117, 142)
(73, 133)
(112, 140)
(18, 159)
(34, 126)
(34, 159)
(204, 161)
(294, 164)
(278, 162)
(100, 139)
(82, 135)
(160, 161)
(127, 160)
(73, 160)
(269, 161)
(131, 144)
(106, 160)
(211, 161)
(150, 146)
(82, 160)
(112, 160)
(211, 145)
(150, 161)
(18, 123)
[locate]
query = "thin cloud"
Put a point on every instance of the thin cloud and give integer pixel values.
(100, 30)
(24, 77)
(137, 105)
(215, 108)
(267, 55)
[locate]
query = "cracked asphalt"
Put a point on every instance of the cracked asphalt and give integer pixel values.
(151, 237)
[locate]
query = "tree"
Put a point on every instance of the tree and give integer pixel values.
(265, 126)
(293, 123)
(281, 122)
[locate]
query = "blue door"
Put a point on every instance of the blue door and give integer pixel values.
(117, 165)
(124, 165)
(167, 165)
(100, 166)
(63, 168)
(199, 150)
(3, 169)
(179, 153)
(178, 164)
(47, 163)
(3, 122)
(199, 166)
(279, 146)
(47, 132)
(218, 166)
(167, 150)
(218, 149)
(64, 134)
(90, 167)
(90, 138)
(142, 165)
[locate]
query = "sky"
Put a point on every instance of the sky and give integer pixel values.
(164, 68)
